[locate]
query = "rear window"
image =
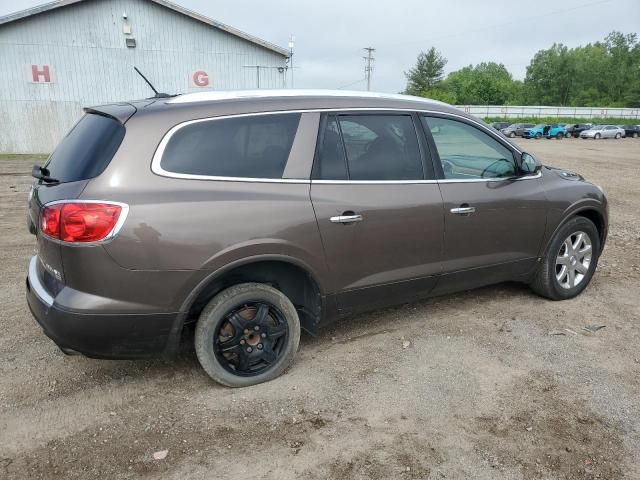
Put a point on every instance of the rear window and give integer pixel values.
(254, 146)
(87, 149)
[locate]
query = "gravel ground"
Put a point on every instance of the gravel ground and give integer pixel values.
(481, 391)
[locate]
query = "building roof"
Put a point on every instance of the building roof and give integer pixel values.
(12, 17)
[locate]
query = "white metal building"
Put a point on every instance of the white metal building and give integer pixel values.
(62, 56)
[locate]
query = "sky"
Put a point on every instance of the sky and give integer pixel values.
(330, 35)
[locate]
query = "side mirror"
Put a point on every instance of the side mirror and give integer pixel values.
(529, 165)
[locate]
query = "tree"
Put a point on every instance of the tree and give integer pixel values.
(487, 83)
(427, 73)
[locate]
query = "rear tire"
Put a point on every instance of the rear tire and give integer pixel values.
(596, 136)
(618, 136)
(538, 136)
(247, 334)
(559, 136)
(512, 134)
(554, 279)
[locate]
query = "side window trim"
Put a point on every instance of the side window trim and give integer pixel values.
(158, 169)
(437, 164)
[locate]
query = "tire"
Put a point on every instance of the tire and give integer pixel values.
(618, 136)
(235, 305)
(596, 136)
(538, 136)
(559, 136)
(512, 134)
(550, 280)
(567, 135)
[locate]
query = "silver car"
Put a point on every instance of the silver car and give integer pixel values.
(603, 131)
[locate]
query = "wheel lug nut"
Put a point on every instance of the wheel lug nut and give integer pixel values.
(259, 346)
(256, 328)
(249, 349)
(242, 342)
(246, 331)
(263, 335)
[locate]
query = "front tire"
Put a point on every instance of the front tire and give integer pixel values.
(247, 334)
(538, 136)
(512, 135)
(618, 136)
(559, 136)
(596, 136)
(570, 261)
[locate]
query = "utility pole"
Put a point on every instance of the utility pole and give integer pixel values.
(369, 65)
(292, 40)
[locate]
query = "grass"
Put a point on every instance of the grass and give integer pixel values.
(31, 157)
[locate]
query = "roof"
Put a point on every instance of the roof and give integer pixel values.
(210, 96)
(12, 17)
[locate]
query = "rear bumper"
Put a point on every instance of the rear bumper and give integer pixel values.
(94, 334)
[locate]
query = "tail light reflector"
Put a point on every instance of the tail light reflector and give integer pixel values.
(80, 221)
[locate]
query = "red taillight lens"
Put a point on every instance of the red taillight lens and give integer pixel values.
(80, 221)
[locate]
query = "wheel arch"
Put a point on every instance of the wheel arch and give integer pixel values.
(291, 276)
(589, 211)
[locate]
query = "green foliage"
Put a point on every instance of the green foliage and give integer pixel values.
(602, 74)
(426, 74)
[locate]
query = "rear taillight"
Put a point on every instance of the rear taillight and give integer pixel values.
(80, 221)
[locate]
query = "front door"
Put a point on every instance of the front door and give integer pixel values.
(378, 208)
(494, 219)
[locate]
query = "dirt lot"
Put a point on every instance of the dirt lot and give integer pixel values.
(482, 391)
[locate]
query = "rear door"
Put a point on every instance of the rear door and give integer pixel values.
(378, 208)
(494, 220)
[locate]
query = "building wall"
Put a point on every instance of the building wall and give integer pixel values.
(84, 47)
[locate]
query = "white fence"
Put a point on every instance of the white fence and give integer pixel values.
(512, 111)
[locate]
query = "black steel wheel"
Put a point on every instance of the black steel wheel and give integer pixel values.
(250, 339)
(247, 334)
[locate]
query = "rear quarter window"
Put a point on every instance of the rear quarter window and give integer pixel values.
(253, 146)
(87, 149)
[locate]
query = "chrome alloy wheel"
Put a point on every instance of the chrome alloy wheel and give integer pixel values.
(573, 260)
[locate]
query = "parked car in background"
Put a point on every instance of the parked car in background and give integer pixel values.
(631, 130)
(500, 125)
(516, 129)
(547, 131)
(575, 129)
(303, 207)
(603, 131)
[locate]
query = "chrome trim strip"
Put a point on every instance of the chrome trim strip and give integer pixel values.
(371, 182)
(36, 285)
(157, 156)
(121, 219)
(209, 96)
(494, 179)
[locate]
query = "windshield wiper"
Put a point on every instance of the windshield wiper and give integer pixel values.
(42, 173)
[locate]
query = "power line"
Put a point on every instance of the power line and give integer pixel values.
(351, 84)
(368, 67)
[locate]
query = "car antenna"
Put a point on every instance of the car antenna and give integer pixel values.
(157, 94)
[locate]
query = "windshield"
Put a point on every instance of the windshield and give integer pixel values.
(86, 150)
(540, 126)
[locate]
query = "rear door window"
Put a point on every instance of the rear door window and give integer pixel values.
(253, 146)
(375, 147)
(87, 149)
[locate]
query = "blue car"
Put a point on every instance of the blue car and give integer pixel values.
(547, 131)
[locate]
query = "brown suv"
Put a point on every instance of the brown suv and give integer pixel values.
(251, 215)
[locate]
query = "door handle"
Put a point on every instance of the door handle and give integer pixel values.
(346, 218)
(463, 210)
